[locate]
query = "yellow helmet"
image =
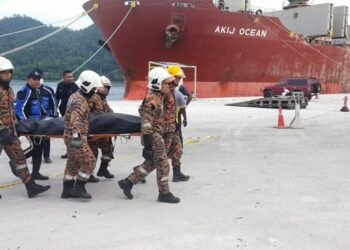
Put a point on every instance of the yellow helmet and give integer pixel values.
(176, 70)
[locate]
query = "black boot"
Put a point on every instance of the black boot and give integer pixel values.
(64, 156)
(47, 160)
(178, 175)
(168, 197)
(126, 185)
(79, 191)
(103, 171)
(67, 188)
(93, 179)
(38, 176)
(34, 189)
(143, 178)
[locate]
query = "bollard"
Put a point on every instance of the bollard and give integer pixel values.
(296, 122)
(345, 107)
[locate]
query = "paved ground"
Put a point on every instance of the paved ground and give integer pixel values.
(252, 187)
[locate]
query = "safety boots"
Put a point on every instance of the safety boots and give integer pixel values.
(79, 191)
(103, 171)
(168, 198)
(34, 189)
(93, 179)
(178, 175)
(39, 176)
(67, 189)
(126, 185)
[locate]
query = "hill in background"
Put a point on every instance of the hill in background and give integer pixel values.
(66, 50)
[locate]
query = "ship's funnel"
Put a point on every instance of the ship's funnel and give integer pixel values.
(296, 4)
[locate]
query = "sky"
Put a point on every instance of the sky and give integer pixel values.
(50, 11)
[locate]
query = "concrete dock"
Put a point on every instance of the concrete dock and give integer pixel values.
(252, 187)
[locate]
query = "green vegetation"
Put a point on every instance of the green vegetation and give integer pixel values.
(66, 50)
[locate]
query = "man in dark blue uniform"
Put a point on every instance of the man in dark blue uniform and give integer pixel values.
(64, 90)
(36, 101)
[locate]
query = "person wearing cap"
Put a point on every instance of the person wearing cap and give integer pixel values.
(81, 161)
(36, 101)
(152, 129)
(9, 141)
(99, 104)
(64, 90)
(179, 75)
(175, 108)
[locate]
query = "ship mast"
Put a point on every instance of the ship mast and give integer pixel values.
(246, 5)
(296, 4)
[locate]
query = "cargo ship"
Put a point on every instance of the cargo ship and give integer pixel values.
(231, 49)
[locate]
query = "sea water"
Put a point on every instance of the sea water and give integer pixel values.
(115, 94)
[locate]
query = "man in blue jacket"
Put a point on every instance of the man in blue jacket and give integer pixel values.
(36, 101)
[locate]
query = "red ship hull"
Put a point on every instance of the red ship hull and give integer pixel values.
(236, 54)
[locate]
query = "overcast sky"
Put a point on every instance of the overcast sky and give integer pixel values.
(50, 11)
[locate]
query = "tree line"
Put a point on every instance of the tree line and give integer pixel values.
(66, 50)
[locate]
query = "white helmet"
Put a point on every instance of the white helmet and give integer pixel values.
(106, 82)
(88, 80)
(156, 76)
(5, 64)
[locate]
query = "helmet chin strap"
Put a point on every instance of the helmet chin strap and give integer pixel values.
(88, 95)
(5, 84)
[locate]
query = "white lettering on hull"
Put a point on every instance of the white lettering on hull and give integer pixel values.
(242, 31)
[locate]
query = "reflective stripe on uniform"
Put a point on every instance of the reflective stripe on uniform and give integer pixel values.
(142, 170)
(83, 175)
(165, 178)
(68, 177)
(147, 125)
(20, 167)
(106, 157)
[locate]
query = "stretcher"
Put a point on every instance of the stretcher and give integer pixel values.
(101, 125)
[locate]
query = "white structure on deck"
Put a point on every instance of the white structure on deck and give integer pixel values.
(340, 21)
(310, 21)
(233, 5)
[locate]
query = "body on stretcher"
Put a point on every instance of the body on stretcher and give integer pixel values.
(102, 125)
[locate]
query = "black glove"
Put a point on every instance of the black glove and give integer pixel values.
(147, 141)
(147, 154)
(5, 136)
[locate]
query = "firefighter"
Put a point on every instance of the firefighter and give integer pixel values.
(8, 136)
(176, 105)
(152, 129)
(81, 161)
(99, 104)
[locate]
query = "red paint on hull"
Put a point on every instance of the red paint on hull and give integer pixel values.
(229, 63)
